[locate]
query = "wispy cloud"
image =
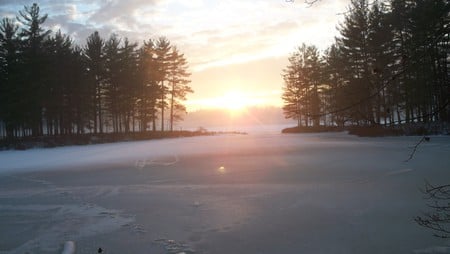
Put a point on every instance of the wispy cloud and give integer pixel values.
(227, 42)
(212, 32)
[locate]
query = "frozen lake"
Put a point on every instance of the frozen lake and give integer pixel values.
(258, 193)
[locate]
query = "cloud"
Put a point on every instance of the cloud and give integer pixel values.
(226, 41)
(213, 30)
(224, 32)
(121, 10)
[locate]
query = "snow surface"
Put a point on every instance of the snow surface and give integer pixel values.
(135, 152)
(263, 192)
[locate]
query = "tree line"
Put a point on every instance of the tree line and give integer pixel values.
(390, 65)
(51, 86)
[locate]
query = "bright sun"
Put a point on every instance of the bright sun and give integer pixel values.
(234, 101)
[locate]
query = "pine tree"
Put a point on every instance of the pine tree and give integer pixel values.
(57, 69)
(293, 89)
(95, 69)
(354, 41)
(163, 59)
(111, 86)
(50, 86)
(381, 58)
(333, 72)
(148, 83)
(32, 36)
(11, 114)
(128, 83)
(313, 73)
(178, 82)
(302, 79)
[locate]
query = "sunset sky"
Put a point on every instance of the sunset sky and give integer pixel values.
(236, 48)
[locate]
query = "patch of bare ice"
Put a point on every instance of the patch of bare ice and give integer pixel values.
(433, 250)
(61, 223)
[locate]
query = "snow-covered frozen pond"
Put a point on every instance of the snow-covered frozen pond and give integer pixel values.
(256, 193)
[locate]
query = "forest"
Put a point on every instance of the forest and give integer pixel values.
(389, 67)
(50, 86)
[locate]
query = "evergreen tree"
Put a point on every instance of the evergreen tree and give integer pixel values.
(313, 73)
(163, 60)
(178, 82)
(147, 76)
(112, 82)
(95, 69)
(354, 41)
(11, 114)
(381, 58)
(302, 79)
(334, 78)
(78, 91)
(49, 85)
(128, 83)
(293, 91)
(58, 116)
(32, 36)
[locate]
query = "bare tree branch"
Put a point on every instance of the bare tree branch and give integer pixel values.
(424, 138)
(439, 219)
(311, 2)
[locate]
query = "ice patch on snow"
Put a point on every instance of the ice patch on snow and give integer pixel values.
(433, 250)
(58, 223)
(398, 172)
(69, 247)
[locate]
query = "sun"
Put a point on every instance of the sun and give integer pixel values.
(234, 101)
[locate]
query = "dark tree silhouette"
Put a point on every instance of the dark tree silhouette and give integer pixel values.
(178, 86)
(32, 37)
(10, 107)
(51, 87)
(148, 85)
(163, 60)
(95, 69)
(389, 66)
(302, 79)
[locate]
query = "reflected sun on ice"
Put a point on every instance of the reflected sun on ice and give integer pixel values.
(221, 170)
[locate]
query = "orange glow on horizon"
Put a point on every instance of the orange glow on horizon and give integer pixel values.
(233, 101)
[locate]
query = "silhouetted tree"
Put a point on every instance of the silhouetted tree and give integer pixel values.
(11, 114)
(50, 86)
(95, 69)
(128, 83)
(32, 36)
(302, 79)
(293, 89)
(354, 41)
(149, 89)
(112, 82)
(334, 78)
(57, 78)
(389, 65)
(163, 60)
(178, 83)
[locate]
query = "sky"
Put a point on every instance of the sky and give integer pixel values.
(236, 48)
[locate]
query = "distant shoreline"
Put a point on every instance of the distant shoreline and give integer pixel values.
(24, 143)
(411, 129)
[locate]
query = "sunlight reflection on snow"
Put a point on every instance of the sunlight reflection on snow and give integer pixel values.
(222, 170)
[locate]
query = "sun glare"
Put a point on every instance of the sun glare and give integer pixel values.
(235, 101)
